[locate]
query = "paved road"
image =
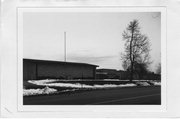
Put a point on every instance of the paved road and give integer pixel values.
(116, 96)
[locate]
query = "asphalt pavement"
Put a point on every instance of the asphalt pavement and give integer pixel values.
(149, 95)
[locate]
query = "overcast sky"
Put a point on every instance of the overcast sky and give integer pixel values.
(94, 38)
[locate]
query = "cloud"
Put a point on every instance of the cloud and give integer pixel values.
(89, 59)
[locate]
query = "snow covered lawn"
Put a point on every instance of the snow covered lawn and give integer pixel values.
(46, 82)
(70, 87)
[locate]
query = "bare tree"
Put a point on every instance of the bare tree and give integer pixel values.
(137, 48)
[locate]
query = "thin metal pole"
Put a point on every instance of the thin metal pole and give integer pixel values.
(65, 46)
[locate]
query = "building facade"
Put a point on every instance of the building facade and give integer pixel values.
(111, 74)
(124, 75)
(39, 69)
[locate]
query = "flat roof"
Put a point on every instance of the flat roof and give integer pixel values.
(61, 62)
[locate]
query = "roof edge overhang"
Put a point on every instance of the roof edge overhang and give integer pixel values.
(55, 61)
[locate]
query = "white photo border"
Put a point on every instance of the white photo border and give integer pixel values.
(83, 108)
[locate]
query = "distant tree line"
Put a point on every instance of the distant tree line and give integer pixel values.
(124, 75)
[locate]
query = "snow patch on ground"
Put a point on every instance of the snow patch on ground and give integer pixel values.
(46, 90)
(113, 80)
(156, 83)
(76, 85)
(113, 85)
(143, 83)
(41, 82)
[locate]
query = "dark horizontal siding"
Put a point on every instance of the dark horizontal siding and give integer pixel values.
(39, 69)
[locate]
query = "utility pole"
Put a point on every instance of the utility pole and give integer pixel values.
(65, 46)
(66, 76)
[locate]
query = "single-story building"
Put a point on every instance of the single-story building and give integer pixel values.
(39, 69)
(111, 74)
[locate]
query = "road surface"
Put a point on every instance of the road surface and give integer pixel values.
(117, 96)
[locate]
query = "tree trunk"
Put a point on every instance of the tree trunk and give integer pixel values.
(132, 72)
(131, 59)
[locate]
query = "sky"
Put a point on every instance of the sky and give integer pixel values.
(94, 38)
